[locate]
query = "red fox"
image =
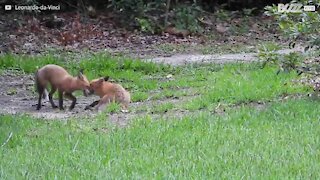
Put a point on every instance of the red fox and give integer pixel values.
(59, 79)
(108, 92)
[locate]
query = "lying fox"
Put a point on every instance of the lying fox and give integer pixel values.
(60, 80)
(108, 92)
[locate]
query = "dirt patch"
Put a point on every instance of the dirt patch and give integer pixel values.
(183, 59)
(17, 96)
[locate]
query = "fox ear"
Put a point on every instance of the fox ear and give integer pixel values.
(101, 80)
(80, 74)
(106, 78)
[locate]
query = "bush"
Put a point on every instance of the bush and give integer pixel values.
(296, 26)
(186, 18)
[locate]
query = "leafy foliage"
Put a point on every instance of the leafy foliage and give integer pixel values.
(295, 26)
(145, 25)
(268, 53)
(290, 61)
(304, 25)
(186, 17)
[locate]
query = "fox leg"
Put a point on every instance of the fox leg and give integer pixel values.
(39, 99)
(92, 105)
(72, 98)
(104, 101)
(45, 95)
(53, 90)
(39, 88)
(60, 100)
(124, 107)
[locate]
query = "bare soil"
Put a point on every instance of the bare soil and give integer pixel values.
(183, 59)
(17, 96)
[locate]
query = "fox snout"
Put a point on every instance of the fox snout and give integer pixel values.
(86, 92)
(90, 91)
(86, 88)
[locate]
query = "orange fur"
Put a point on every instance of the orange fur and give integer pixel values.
(60, 80)
(109, 92)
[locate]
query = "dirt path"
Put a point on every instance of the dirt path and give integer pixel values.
(183, 59)
(17, 96)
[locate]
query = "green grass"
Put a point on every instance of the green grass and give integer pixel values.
(139, 96)
(234, 85)
(281, 141)
(113, 108)
(277, 141)
(162, 108)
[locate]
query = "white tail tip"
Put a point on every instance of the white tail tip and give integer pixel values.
(45, 95)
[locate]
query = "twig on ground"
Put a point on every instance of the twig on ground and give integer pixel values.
(9, 137)
(75, 146)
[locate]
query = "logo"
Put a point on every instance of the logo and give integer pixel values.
(7, 7)
(290, 8)
(309, 8)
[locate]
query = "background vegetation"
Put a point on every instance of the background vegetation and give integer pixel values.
(153, 16)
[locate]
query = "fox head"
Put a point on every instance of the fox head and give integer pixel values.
(97, 83)
(83, 83)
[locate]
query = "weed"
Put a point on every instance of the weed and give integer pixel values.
(139, 96)
(11, 91)
(162, 108)
(112, 108)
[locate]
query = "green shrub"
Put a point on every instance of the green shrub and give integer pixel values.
(186, 18)
(298, 26)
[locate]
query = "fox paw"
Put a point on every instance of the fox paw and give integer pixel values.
(71, 108)
(124, 110)
(87, 108)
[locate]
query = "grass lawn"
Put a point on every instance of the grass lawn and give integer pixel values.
(279, 139)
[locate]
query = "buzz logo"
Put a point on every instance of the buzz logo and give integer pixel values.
(290, 8)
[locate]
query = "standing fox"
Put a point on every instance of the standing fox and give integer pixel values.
(108, 92)
(59, 79)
